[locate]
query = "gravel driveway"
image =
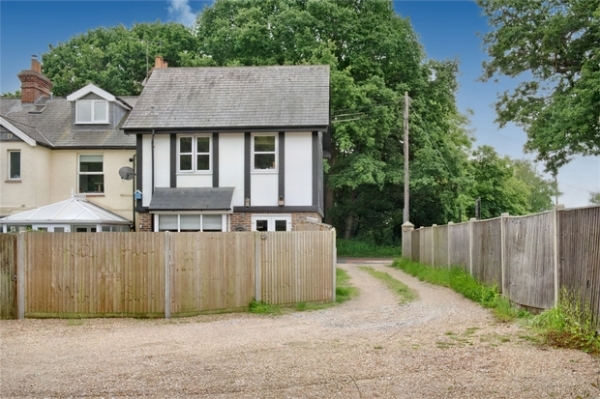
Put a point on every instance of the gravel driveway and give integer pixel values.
(440, 346)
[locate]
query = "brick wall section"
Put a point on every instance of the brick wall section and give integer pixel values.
(144, 222)
(244, 219)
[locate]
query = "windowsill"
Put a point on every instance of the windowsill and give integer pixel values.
(92, 194)
(13, 181)
(264, 171)
(203, 172)
(92, 123)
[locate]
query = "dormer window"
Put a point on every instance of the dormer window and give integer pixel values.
(91, 111)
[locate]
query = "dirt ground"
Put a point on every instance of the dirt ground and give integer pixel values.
(439, 346)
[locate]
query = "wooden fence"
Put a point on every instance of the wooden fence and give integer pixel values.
(530, 258)
(162, 274)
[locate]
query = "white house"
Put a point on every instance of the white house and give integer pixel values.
(52, 147)
(231, 148)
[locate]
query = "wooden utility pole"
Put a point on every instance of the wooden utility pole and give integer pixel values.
(405, 215)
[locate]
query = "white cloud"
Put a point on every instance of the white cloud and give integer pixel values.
(181, 12)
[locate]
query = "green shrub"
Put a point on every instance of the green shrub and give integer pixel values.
(363, 249)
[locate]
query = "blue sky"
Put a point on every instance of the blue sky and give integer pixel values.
(447, 29)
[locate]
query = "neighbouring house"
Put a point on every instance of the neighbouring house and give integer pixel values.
(230, 148)
(73, 215)
(51, 148)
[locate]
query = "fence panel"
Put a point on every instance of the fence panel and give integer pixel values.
(487, 252)
(460, 235)
(427, 245)
(440, 250)
(211, 271)
(529, 260)
(8, 269)
(415, 245)
(288, 278)
(579, 249)
(94, 274)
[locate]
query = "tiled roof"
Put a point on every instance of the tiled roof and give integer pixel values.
(53, 126)
(192, 198)
(236, 97)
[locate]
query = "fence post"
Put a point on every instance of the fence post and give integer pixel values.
(407, 229)
(555, 243)
(167, 275)
(334, 262)
(21, 275)
(257, 271)
(503, 221)
(471, 247)
(449, 242)
(433, 228)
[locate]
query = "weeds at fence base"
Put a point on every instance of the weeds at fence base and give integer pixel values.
(569, 325)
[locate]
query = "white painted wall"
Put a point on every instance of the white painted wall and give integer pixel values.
(264, 189)
(162, 160)
(194, 180)
(33, 190)
(298, 169)
(231, 165)
(146, 169)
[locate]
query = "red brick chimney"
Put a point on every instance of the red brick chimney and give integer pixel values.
(33, 83)
(159, 62)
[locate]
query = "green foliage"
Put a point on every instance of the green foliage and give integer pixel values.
(375, 57)
(344, 290)
(360, 249)
(462, 282)
(116, 59)
(260, 307)
(555, 44)
(405, 293)
(569, 325)
(595, 198)
(16, 94)
(540, 190)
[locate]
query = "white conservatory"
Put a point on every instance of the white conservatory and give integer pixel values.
(73, 215)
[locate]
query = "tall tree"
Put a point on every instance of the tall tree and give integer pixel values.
(540, 190)
(116, 59)
(495, 183)
(375, 56)
(558, 43)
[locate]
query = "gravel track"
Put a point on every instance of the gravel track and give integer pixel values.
(439, 346)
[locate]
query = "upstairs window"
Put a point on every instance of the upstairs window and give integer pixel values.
(264, 149)
(91, 111)
(91, 174)
(194, 153)
(14, 165)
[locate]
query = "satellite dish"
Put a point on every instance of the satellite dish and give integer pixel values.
(126, 173)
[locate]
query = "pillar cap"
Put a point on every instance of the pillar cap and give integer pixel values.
(408, 224)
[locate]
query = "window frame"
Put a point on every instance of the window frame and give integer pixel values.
(10, 177)
(254, 152)
(200, 217)
(92, 120)
(79, 173)
(194, 154)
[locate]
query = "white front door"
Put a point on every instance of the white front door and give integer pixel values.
(271, 222)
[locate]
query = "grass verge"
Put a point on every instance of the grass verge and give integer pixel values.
(344, 291)
(569, 325)
(398, 287)
(463, 283)
(361, 249)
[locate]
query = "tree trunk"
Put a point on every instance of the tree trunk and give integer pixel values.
(350, 216)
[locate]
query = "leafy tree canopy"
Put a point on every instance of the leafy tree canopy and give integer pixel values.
(595, 198)
(116, 59)
(558, 43)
